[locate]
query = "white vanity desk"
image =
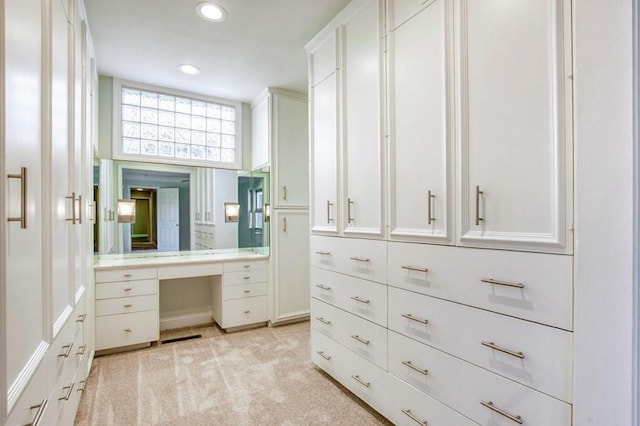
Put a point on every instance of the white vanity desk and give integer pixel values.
(128, 288)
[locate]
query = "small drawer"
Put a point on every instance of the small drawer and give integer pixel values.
(326, 319)
(128, 329)
(126, 289)
(245, 265)
(244, 277)
(239, 312)
(168, 272)
(126, 305)
(244, 291)
(111, 275)
(325, 353)
(359, 258)
(324, 251)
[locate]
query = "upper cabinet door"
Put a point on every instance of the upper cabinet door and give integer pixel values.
(420, 121)
(323, 59)
(515, 124)
(363, 150)
(260, 133)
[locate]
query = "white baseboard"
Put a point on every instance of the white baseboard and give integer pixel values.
(187, 320)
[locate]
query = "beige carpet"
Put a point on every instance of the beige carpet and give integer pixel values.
(256, 377)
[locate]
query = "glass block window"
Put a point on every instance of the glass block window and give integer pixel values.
(161, 127)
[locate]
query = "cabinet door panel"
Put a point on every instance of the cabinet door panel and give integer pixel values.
(323, 60)
(419, 118)
(515, 125)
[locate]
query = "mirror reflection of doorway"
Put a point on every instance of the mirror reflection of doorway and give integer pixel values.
(251, 218)
(144, 230)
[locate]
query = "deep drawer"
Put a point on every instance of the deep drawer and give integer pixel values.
(128, 329)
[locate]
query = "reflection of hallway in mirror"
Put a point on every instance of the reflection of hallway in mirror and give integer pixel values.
(168, 219)
(143, 230)
(251, 217)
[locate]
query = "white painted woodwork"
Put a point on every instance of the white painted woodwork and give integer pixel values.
(168, 214)
(248, 290)
(515, 125)
(290, 272)
(204, 195)
(129, 274)
(126, 289)
(126, 305)
(245, 265)
(260, 149)
(244, 277)
(323, 59)
(363, 148)
(420, 113)
(360, 258)
(114, 331)
(400, 11)
(245, 311)
(167, 272)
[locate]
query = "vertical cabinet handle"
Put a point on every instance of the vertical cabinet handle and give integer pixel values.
(284, 192)
(284, 224)
(329, 204)
(349, 203)
(430, 198)
(80, 209)
(478, 218)
(69, 390)
(41, 408)
(72, 197)
(23, 199)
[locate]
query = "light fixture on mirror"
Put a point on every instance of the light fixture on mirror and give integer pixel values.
(231, 212)
(211, 11)
(267, 212)
(126, 211)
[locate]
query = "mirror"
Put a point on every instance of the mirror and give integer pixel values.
(179, 208)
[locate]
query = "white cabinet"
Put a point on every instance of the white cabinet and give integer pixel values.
(204, 195)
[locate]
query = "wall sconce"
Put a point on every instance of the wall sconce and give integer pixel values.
(267, 212)
(231, 212)
(126, 211)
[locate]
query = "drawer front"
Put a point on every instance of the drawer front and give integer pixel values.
(126, 289)
(326, 353)
(244, 277)
(464, 387)
(240, 312)
(326, 319)
(126, 305)
(359, 258)
(245, 265)
(366, 299)
(400, 11)
(112, 275)
(185, 271)
(532, 354)
(244, 291)
(456, 273)
(128, 329)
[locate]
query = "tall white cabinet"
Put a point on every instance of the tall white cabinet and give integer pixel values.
(461, 300)
(46, 210)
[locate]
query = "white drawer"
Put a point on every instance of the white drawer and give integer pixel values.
(244, 277)
(111, 275)
(400, 11)
(244, 291)
(185, 271)
(367, 299)
(245, 265)
(457, 273)
(128, 329)
(126, 305)
(325, 352)
(463, 386)
(240, 312)
(126, 289)
(356, 257)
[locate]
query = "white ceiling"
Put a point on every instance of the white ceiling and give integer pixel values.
(260, 44)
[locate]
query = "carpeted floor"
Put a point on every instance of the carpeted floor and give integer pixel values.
(256, 377)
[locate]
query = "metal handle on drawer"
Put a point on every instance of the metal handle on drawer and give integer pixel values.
(324, 321)
(68, 395)
(246, 266)
(321, 353)
(128, 305)
(247, 312)
(504, 283)
(323, 287)
(72, 197)
(349, 218)
(83, 383)
(247, 291)
(414, 268)
(128, 289)
(127, 275)
(359, 259)
(23, 200)
(478, 218)
(359, 380)
(413, 367)
(416, 319)
(284, 192)
(81, 318)
(492, 407)
(68, 351)
(329, 204)
(360, 339)
(41, 408)
(246, 278)
(82, 349)
(430, 217)
(357, 299)
(323, 253)
(127, 330)
(503, 350)
(414, 418)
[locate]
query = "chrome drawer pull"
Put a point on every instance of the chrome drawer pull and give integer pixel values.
(81, 318)
(416, 319)
(478, 218)
(247, 266)
(128, 289)
(414, 418)
(23, 203)
(504, 283)
(67, 352)
(329, 204)
(41, 408)
(324, 321)
(247, 312)
(83, 383)
(70, 389)
(128, 305)
(414, 268)
(127, 330)
(503, 350)
(321, 353)
(349, 203)
(82, 349)
(127, 275)
(357, 299)
(492, 407)
(247, 291)
(359, 380)
(323, 253)
(323, 287)
(413, 367)
(359, 259)
(360, 339)
(247, 278)
(430, 217)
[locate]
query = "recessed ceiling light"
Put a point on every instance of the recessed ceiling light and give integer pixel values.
(189, 69)
(211, 11)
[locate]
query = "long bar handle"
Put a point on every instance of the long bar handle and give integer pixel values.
(349, 203)
(83, 383)
(41, 408)
(414, 268)
(68, 395)
(413, 367)
(503, 350)
(357, 299)
(329, 204)
(284, 192)
(82, 349)
(322, 354)
(323, 287)
(430, 198)
(504, 283)
(478, 218)
(359, 380)
(284, 224)
(67, 352)
(80, 209)
(492, 407)
(416, 319)
(414, 418)
(359, 259)
(323, 253)
(81, 318)
(360, 339)
(23, 198)
(72, 197)
(92, 218)
(324, 321)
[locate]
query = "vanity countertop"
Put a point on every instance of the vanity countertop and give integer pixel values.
(151, 259)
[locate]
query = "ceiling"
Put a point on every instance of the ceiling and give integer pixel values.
(260, 44)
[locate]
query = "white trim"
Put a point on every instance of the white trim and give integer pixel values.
(23, 379)
(188, 320)
(3, 224)
(636, 215)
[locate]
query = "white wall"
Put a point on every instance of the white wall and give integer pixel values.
(226, 189)
(604, 204)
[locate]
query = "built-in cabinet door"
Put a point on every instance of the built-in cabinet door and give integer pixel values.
(260, 146)
(363, 153)
(23, 343)
(291, 269)
(515, 124)
(420, 122)
(106, 211)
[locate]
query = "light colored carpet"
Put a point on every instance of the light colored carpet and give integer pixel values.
(262, 376)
